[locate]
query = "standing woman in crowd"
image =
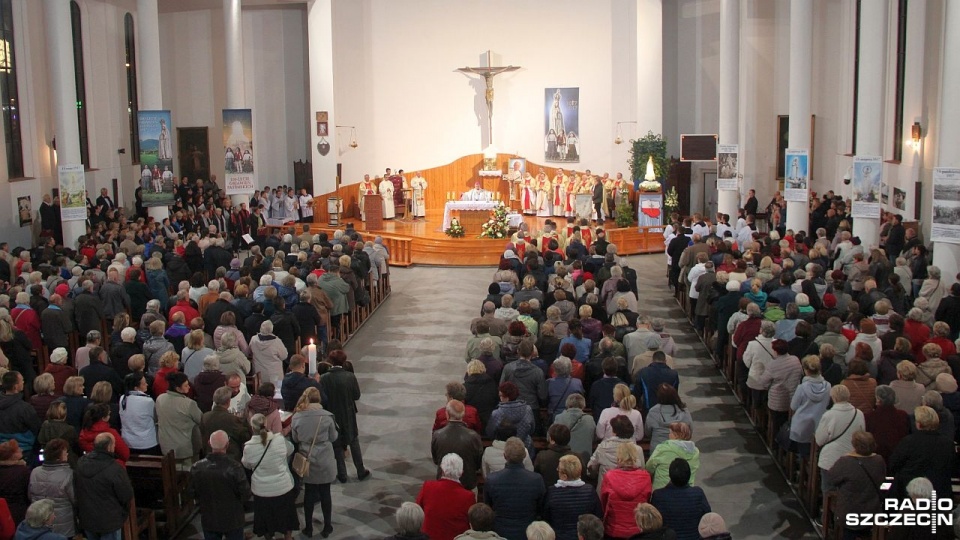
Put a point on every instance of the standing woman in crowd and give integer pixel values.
(16, 346)
(314, 430)
(274, 496)
(138, 416)
(624, 404)
(53, 480)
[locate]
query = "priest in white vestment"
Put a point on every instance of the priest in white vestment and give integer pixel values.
(419, 186)
(386, 193)
(476, 194)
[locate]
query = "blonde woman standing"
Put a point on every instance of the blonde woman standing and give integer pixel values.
(274, 496)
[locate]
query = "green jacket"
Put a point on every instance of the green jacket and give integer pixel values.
(659, 463)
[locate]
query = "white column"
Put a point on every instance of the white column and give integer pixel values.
(946, 255)
(649, 66)
(148, 71)
(728, 201)
(801, 71)
(320, 43)
(870, 101)
(63, 96)
(233, 62)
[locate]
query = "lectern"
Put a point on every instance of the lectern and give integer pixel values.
(373, 208)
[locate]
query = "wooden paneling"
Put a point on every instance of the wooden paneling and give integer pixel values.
(458, 177)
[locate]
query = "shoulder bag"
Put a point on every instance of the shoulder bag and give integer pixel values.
(301, 460)
(855, 410)
(263, 455)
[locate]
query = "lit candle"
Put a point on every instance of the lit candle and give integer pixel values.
(312, 356)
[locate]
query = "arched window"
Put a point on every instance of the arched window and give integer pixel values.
(80, 80)
(133, 102)
(8, 93)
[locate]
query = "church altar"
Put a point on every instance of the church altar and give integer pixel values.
(483, 207)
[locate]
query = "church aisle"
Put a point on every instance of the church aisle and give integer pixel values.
(414, 345)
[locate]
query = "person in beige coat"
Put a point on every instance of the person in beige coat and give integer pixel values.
(178, 420)
(268, 354)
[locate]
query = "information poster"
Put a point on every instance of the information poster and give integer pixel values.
(796, 174)
(73, 192)
(728, 168)
(946, 205)
(867, 175)
(238, 156)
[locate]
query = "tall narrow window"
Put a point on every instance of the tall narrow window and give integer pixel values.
(133, 102)
(856, 77)
(80, 80)
(901, 71)
(8, 93)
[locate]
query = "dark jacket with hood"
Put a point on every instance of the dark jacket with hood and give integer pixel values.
(103, 492)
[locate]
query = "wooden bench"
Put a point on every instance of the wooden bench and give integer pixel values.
(139, 520)
(160, 486)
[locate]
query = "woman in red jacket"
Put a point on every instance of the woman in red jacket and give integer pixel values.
(27, 320)
(623, 489)
(445, 502)
(169, 363)
(96, 421)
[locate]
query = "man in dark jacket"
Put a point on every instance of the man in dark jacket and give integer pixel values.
(601, 391)
(896, 238)
(528, 377)
(923, 453)
(220, 487)
(216, 256)
(18, 419)
(103, 490)
(547, 462)
(101, 370)
(221, 420)
(515, 494)
(948, 311)
(681, 504)
(55, 323)
(114, 297)
(87, 309)
(457, 438)
(342, 391)
(211, 317)
(296, 382)
(651, 377)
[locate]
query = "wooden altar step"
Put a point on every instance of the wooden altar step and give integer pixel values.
(422, 242)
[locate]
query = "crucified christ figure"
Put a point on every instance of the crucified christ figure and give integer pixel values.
(489, 72)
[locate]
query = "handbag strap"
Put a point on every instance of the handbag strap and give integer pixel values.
(855, 411)
(562, 394)
(315, 433)
(872, 481)
(263, 455)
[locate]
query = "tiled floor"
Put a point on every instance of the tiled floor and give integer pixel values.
(414, 345)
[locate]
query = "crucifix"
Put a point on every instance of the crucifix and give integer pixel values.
(489, 72)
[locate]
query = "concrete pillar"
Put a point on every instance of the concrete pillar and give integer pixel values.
(946, 255)
(63, 96)
(870, 100)
(320, 44)
(151, 94)
(801, 71)
(233, 62)
(728, 201)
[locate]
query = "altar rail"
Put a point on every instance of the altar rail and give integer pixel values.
(458, 176)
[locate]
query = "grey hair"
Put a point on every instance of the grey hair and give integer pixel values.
(932, 399)
(768, 329)
(933, 271)
(153, 305)
(228, 340)
(266, 327)
(886, 395)
(656, 324)
(753, 310)
(211, 363)
(562, 366)
(575, 401)
(39, 513)
(487, 345)
(409, 519)
(920, 488)
(540, 530)
(915, 314)
(452, 466)
(222, 396)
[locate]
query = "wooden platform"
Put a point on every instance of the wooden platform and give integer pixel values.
(423, 241)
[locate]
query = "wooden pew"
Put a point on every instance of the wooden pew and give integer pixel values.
(163, 488)
(139, 520)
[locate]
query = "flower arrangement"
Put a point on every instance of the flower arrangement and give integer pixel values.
(455, 230)
(497, 226)
(671, 201)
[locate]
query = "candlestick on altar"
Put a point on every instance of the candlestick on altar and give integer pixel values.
(312, 357)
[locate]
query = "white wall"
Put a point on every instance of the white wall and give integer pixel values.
(396, 80)
(275, 75)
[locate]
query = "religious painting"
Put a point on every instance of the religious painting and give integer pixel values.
(73, 192)
(867, 175)
(727, 167)
(561, 133)
(193, 145)
(238, 157)
(796, 177)
(25, 210)
(884, 193)
(946, 205)
(899, 199)
(156, 157)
